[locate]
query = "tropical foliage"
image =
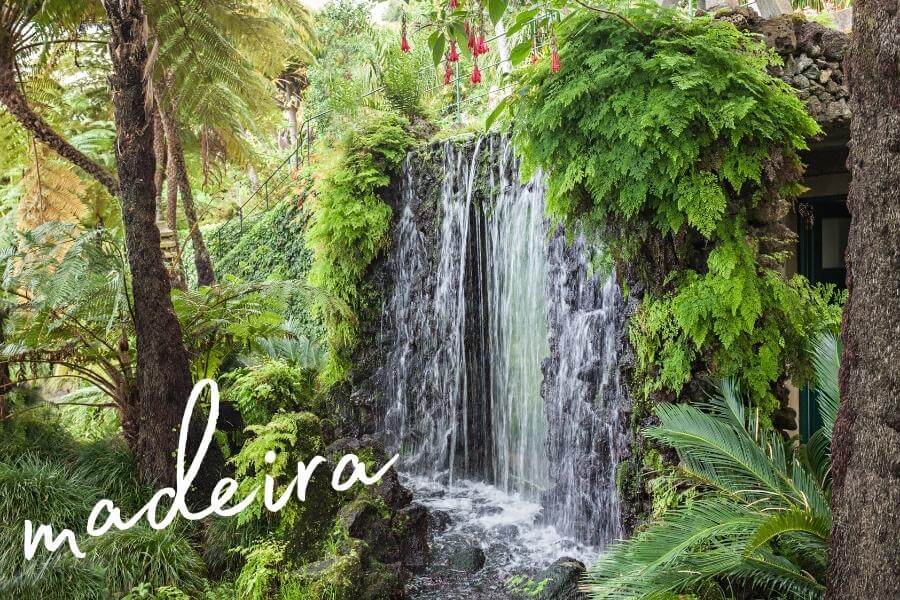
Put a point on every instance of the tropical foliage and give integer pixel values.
(349, 227)
(758, 517)
(670, 140)
(282, 132)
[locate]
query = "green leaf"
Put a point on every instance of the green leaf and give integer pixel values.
(437, 42)
(787, 521)
(498, 110)
(462, 41)
(496, 8)
(522, 19)
(520, 52)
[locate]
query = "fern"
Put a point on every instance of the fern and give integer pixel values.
(667, 139)
(349, 227)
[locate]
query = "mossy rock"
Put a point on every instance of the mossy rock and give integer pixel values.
(333, 578)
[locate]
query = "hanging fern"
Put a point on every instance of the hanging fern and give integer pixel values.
(349, 227)
(671, 140)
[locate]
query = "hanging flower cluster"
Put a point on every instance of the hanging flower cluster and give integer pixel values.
(475, 40)
(476, 75)
(453, 53)
(404, 44)
(477, 44)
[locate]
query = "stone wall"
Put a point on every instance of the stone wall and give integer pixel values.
(813, 56)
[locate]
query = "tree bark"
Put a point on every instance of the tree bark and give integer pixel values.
(11, 96)
(163, 374)
(864, 550)
(159, 150)
(6, 383)
(205, 274)
(291, 114)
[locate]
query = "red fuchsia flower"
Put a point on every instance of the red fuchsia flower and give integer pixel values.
(404, 44)
(448, 74)
(482, 46)
(476, 76)
(534, 57)
(555, 65)
(452, 55)
(454, 4)
(472, 43)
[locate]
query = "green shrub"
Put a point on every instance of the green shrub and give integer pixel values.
(403, 80)
(144, 555)
(350, 226)
(758, 517)
(293, 437)
(266, 245)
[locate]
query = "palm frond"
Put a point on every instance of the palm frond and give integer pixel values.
(826, 356)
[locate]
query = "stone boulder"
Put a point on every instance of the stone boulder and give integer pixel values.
(559, 581)
(468, 559)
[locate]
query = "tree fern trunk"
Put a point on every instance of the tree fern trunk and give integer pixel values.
(5, 379)
(163, 374)
(159, 150)
(205, 273)
(864, 552)
(12, 97)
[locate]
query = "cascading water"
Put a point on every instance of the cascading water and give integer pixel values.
(517, 316)
(584, 398)
(502, 376)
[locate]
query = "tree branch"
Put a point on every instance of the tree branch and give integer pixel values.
(611, 13)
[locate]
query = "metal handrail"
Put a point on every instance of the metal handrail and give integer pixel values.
(296, 155)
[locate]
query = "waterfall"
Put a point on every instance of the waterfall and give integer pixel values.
(517, 316)
(502, 363)
(584, 396)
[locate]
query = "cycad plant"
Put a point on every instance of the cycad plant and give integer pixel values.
(759, 519)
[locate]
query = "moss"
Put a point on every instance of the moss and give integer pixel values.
(333, 578)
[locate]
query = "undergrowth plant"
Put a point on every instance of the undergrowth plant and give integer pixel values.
(350, 226)
(758, 517)
(668, 138)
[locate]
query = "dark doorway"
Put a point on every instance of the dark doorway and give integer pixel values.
(823, 225)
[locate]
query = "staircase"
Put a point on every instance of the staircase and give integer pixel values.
(169, 244)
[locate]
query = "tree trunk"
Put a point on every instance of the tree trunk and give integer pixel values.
(291, 113)
(171, 193)
(864, 551)
(11, 96)
(205, 274)
(159, 150)
(5, 380)
(163, 374)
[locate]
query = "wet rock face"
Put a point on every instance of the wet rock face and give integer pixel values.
(386, 531)
(585, 396)
(411, 526)
(813, 57)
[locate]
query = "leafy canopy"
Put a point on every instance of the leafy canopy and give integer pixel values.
(668, 138)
